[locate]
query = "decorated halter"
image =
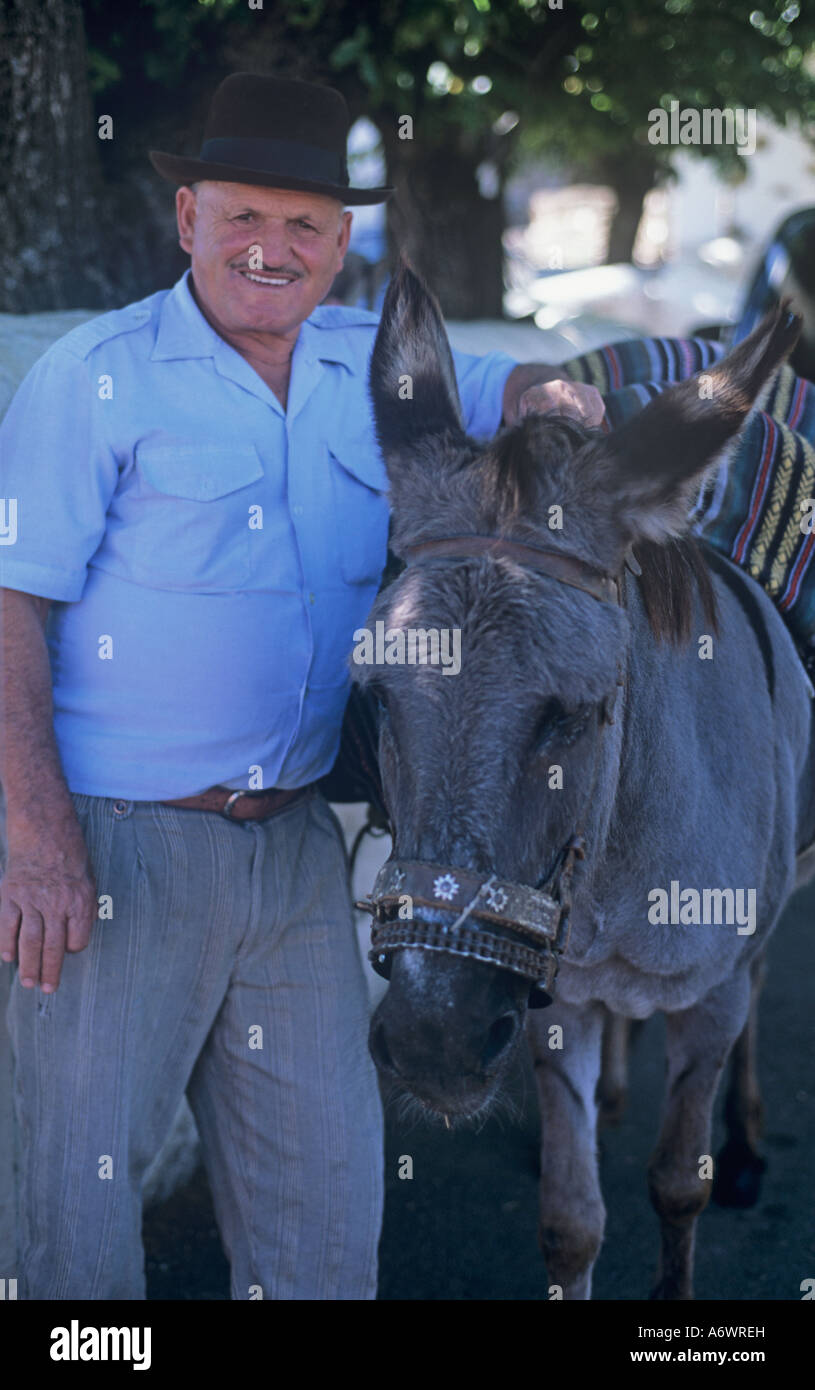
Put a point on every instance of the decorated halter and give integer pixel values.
(509, 925)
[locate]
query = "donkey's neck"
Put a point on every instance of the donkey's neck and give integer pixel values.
(705, 787)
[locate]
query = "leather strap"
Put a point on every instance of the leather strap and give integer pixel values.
(568, 569)
(242, 805)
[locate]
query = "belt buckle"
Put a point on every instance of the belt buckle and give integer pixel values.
(230, 802)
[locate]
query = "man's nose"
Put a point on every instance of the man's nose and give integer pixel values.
(277, 249)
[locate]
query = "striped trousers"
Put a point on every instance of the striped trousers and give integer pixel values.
(227, 966)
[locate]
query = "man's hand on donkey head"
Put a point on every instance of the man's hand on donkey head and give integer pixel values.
(571, 398)
(535, 389)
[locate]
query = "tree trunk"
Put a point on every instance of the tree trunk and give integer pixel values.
(439, 219)
(53, 251)
(632, 179)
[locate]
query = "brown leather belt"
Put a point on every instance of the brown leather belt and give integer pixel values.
(240, 805)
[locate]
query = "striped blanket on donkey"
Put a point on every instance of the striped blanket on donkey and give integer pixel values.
(757, 506)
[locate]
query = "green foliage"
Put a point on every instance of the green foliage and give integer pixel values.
(162, 40)
(581, 79)
(635, 56)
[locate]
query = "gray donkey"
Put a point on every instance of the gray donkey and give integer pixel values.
(639, 748)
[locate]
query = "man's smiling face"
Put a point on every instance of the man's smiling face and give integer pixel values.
(303, 238)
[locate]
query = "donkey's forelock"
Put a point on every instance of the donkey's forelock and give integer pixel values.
(527, 466)
(451, 480)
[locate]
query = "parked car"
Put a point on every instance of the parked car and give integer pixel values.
(786, 269)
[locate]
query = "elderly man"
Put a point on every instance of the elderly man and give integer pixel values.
(202, 525)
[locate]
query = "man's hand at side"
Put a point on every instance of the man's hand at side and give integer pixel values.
(47, 894)
(47, 906)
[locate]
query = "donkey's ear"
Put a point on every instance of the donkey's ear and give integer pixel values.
(651, 467)
(412, 379)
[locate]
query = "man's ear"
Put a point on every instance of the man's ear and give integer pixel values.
(650, 468)
(412, 378)
(344, 236)
(185, 209)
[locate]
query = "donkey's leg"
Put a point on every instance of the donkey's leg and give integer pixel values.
(699, 1041)
(572, 1215)
(612, 1089)
(739, 1166)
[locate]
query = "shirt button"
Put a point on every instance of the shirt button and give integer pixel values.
(298, 511)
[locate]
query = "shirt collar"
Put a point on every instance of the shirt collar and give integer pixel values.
(184, 332)
(325, 338)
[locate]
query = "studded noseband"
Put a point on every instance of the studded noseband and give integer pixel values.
(533, 924)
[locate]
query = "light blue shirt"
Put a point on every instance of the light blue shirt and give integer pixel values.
(210, 554)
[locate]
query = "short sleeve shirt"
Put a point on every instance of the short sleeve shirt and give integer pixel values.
(209, 553)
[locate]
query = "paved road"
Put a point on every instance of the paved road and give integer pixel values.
(465, 1226)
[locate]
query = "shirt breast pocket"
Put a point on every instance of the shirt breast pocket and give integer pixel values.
(194, 506)
(359, 492)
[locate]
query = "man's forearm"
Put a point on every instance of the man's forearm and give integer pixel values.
(35, 788)
(47, 893)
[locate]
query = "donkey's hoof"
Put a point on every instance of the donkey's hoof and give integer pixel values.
(737, 1178)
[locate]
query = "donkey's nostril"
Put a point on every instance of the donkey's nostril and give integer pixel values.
(501, 1034)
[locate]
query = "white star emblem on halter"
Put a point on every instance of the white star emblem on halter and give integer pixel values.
(445, 887)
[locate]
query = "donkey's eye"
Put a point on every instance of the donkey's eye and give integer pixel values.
(381, 697)
(560, 725)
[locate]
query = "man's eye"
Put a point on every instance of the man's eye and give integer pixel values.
(560, 725)
(305, 225)
(243, 217)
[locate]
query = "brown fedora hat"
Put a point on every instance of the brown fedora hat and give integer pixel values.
(275, 131)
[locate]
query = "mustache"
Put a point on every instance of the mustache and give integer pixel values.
(266, 269)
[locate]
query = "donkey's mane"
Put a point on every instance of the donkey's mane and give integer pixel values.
(670, 572)
(511, 474)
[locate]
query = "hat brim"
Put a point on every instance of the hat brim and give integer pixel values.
(180, 170)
